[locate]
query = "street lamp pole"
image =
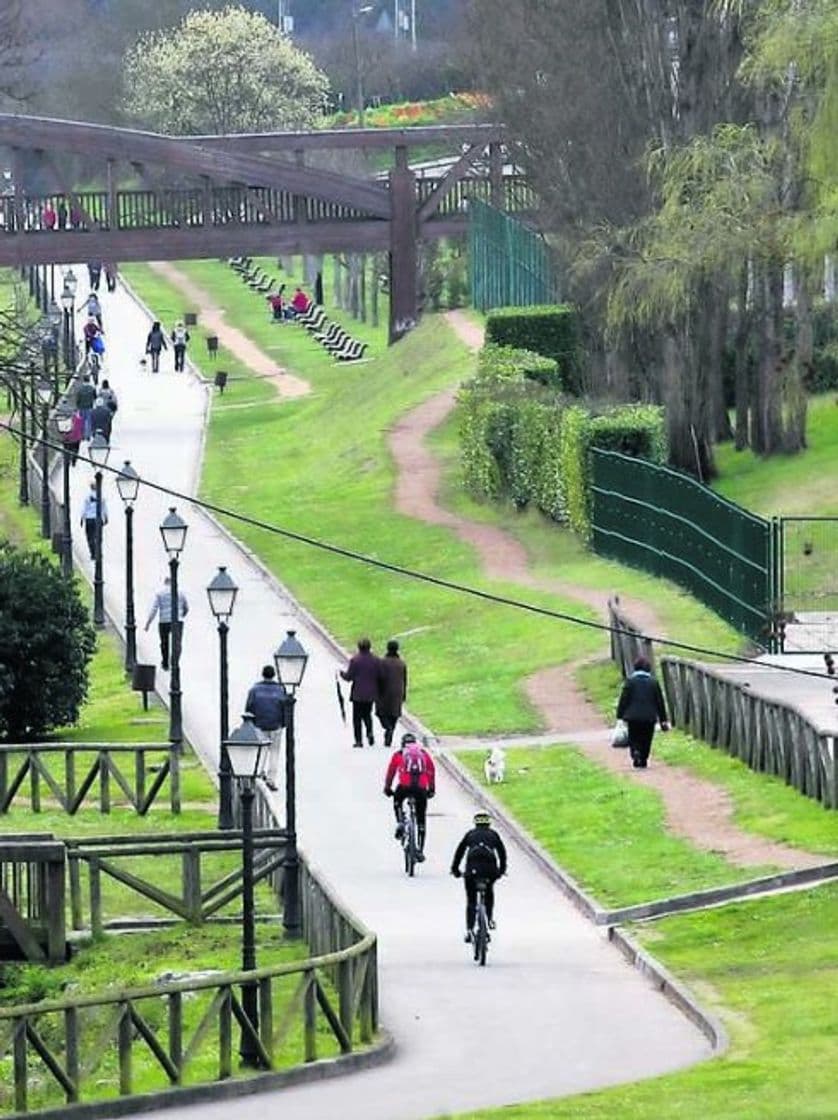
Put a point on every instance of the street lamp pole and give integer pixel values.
(44, 391)
(290, 661)
(71, 284)
(99, 450)
(64, 420)
(128, 485)
(222, 593)
(173, 531)
(244, 748)
(23, 492)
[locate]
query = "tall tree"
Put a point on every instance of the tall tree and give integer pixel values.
(222, 72)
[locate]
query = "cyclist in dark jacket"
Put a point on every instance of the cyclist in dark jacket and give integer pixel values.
(485, 857)
(642, 705)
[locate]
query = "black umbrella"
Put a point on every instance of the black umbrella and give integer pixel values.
(340, 699)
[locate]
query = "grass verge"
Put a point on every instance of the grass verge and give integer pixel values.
(609, 833)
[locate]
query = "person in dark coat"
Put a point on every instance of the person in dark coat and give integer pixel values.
(642, 705)
(266, 703)
(101, 419)
(362, 671)
(155, 342)
(392, 690)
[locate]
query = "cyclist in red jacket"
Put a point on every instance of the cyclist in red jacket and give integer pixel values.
(414, 768)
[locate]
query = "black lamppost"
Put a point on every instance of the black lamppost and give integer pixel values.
(244, 749)
(54, 317)
(222, 593)
(98, 449)
(64, 418)
(67, 308)
(290, 661)
(71, 284)
(128, 485)
(23, 492)
(44, 392)
(173, 531)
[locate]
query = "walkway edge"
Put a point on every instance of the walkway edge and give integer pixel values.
(379, 1053)
(660, 978)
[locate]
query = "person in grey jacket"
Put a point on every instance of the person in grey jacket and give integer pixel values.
(266, 703)
(162, 607)
(642, 705)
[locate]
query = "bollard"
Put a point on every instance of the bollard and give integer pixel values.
(142, 680)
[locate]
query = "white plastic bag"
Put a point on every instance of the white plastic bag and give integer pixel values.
(619, 736)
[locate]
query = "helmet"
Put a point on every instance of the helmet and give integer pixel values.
(482, 818)
(408, 738)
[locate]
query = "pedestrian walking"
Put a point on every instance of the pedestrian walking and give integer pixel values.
(180, 337)
(362, 672)
(108, 395)
(72, 438)
(85, 399)
(392, 690)
(162, 609)
(642, 705)
(88, 519)
(111, 273)
(94, 273)
(49, 218)
(266, 703)
(92, 308)
(63, 215)
(101, 419)
(155, 342)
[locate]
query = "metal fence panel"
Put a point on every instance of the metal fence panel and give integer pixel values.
(670, 525)
(509, 263)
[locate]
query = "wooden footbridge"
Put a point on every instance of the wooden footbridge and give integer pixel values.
(218, 196)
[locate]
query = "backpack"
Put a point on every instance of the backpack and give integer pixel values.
(97, 344)
(413, 763)
(179, 336)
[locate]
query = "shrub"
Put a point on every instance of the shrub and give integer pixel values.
(548, 330)
(46, 642)
(507, 362)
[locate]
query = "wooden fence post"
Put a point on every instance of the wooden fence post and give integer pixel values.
(310, 1016)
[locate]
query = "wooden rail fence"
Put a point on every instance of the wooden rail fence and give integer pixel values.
(32, 898)
(74, 1051)
(768, 736)
(197, 901)
(140, 789)
(627, 642)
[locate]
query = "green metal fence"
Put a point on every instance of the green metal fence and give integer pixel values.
(509, 263)
(670, 525)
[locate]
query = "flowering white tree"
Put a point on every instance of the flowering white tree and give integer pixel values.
(222, 72)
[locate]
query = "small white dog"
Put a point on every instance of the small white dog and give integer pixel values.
(495, 765)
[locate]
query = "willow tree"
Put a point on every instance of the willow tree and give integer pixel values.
(222, 72)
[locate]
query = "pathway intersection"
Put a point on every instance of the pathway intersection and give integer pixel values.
(557, 1012)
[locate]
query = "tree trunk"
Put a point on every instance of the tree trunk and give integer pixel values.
(742, 378)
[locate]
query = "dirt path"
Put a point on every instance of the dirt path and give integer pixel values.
(213, 318)
(698, 810)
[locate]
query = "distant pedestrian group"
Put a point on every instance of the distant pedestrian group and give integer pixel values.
(379, 684)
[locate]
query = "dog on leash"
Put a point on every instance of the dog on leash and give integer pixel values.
(494, 766)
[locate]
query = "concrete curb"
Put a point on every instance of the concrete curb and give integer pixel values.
(379, 1053)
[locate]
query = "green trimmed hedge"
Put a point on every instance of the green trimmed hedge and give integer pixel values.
(510, 363)
(549, 330)
(526, 443)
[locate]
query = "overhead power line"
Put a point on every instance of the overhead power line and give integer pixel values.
(426, 577)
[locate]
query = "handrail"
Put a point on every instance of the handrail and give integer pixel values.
(223, 979)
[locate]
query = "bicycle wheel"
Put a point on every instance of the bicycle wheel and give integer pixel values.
(409, 843)
(481, 932)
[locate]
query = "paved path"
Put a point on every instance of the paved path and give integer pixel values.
(556, 1012)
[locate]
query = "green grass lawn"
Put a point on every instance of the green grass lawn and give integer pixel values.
(608, 832)
(770, 969)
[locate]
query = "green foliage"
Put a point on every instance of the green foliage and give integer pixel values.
(520, 441)
(548, 330)
(221, 72)
(509, 362)
(46, 643)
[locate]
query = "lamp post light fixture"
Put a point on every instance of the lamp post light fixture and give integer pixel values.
(67, 308)
(244, 748)
(173, 531)
(54, 317)
(222, 592)
(64, 419)
(357, 12)
(290, 661)
(98, 449)
(128, 486)
(43, 390)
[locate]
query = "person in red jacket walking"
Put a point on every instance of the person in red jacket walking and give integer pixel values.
(412, 767)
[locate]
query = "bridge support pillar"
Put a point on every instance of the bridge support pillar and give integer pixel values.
(404, 310)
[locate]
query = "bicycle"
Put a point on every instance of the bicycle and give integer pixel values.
(410, 835)
(480, 936)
